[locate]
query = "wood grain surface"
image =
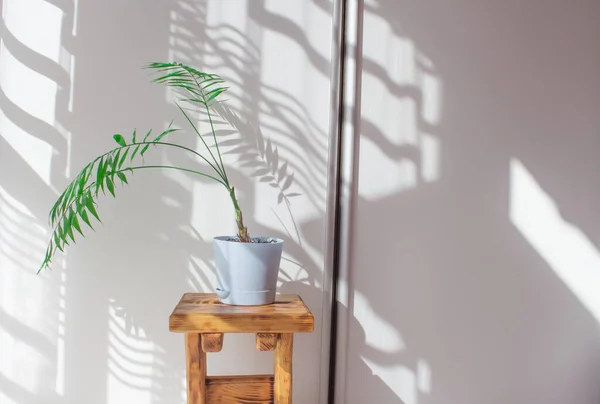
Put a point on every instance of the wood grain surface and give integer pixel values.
(251, 389)
(195, 360)
(266, 342)
(212, 342)
(282, 385)
(203, 313)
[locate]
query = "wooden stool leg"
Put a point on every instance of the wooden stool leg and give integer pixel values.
(195, 361)
(282, 386)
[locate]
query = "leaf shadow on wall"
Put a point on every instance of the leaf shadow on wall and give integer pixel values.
(107, 337)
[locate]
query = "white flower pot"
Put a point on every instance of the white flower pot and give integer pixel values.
(247, 272)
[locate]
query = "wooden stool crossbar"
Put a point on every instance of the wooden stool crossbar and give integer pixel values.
(204, 320)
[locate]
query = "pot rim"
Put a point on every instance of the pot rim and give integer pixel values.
(227, 239)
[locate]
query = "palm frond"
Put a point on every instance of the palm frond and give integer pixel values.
(202, 87)
(77, 204)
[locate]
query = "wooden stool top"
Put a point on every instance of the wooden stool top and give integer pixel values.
(204, 313)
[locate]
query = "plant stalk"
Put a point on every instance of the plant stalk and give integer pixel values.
(239, 219)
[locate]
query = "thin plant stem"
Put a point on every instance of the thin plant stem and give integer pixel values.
(221, 173)
(180, 169)
(212, 128)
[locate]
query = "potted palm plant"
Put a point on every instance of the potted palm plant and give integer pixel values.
(247, 267)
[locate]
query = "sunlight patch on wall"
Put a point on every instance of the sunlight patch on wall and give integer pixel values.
(25, 87)
(406, 383)
(21, 236)
(400, 380)
(32, 57)
(383, 337)
(401, 111)
(60, 342)
(75, 17)
(131, 359)
(431, 90)
(26, 333)
(430, 158)
(35, 152)
(566, 249)
(423, 376)
(379, 334)
(396, 54)
(386, 176)
(37, 26)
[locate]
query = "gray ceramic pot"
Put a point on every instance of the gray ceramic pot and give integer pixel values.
(247, 272)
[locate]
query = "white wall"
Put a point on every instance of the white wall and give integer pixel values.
(476, 257)
(95, 329)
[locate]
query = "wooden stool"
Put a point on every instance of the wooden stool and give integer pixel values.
(204, 319)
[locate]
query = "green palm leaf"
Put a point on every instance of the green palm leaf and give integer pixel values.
(202, 87)
(79, 200)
